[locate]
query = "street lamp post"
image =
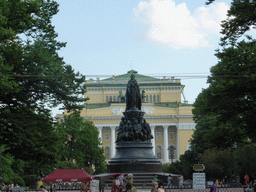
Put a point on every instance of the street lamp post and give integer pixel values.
(171, 151)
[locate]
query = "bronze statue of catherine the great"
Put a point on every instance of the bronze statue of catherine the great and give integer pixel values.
(133, 96)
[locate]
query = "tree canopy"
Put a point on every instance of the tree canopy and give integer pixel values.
(79, 142)
(33, 78)
(225, 110)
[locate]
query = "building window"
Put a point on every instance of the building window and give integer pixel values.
(150, 98)
(159, 152)
(107, 155)
(147, 98)
(117, 98)
(158, 135)
(171, 135)
(158, 98)
(154, 98)
(110, 99)
(114, 98)
(106, 136)
(106, 99)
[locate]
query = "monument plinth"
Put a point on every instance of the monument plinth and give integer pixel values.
(134, 150)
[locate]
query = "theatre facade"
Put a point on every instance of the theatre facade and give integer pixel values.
(170, 119)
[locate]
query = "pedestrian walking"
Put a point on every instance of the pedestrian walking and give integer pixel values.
(39, 183)
(246, 179)
(43, 188)
(129, 184)
(155, 187)
(214, 186)
(161, 188)
(169, 181)
(181, 182)
(116, 184)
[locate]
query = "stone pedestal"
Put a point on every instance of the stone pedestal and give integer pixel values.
(134, 156)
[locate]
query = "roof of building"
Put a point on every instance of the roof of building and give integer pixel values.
(143, 80)
(127, 76)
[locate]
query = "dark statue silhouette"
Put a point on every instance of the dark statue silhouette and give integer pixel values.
(133, 97)
(134, 150)
(133, 127)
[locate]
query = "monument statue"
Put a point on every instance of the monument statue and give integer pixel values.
(133, 97)
(133, 127)
(133, 145)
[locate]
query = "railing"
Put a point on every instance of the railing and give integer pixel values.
(187, 188)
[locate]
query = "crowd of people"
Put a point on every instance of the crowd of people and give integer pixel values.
(122, 183)
(9, 187)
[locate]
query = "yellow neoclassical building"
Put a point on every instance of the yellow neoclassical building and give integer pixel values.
(171, 121)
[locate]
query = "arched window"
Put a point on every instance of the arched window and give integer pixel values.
(117, 98)
(110, 98)
(107, 153)
(114, 98)
(150, 99)
(147, 98)
(106, 99)
(158, 98)
(154, 98)
(159, 152)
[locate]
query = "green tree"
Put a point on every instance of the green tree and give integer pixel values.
(241, 18)
(245, 159)
(229, 101)
(176, 168)
(188, 160)
(230, 98)
(212, 168)
(79, 142)
(33, 77)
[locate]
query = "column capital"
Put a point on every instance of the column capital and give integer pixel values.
(113, 127)
(152, 126)
(166, 126)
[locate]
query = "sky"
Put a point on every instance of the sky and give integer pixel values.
(154, 37)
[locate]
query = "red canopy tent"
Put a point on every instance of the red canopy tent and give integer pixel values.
(68, 175)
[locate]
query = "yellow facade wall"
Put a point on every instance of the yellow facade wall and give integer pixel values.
(184, 137)
(170, 97)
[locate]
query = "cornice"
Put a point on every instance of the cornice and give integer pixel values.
(187, 126)
(183, 116)
(146, 117)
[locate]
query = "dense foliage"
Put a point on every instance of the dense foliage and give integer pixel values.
(225, 111)
(79, 142)
(33, 78)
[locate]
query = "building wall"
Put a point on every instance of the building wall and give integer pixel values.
(184, 137)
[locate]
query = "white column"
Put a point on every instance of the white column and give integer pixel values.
(113, 140)
(100, 133)
(152, 127)
(165, 149)
(177, 145)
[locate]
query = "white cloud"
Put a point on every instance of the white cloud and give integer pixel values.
(175, 26)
